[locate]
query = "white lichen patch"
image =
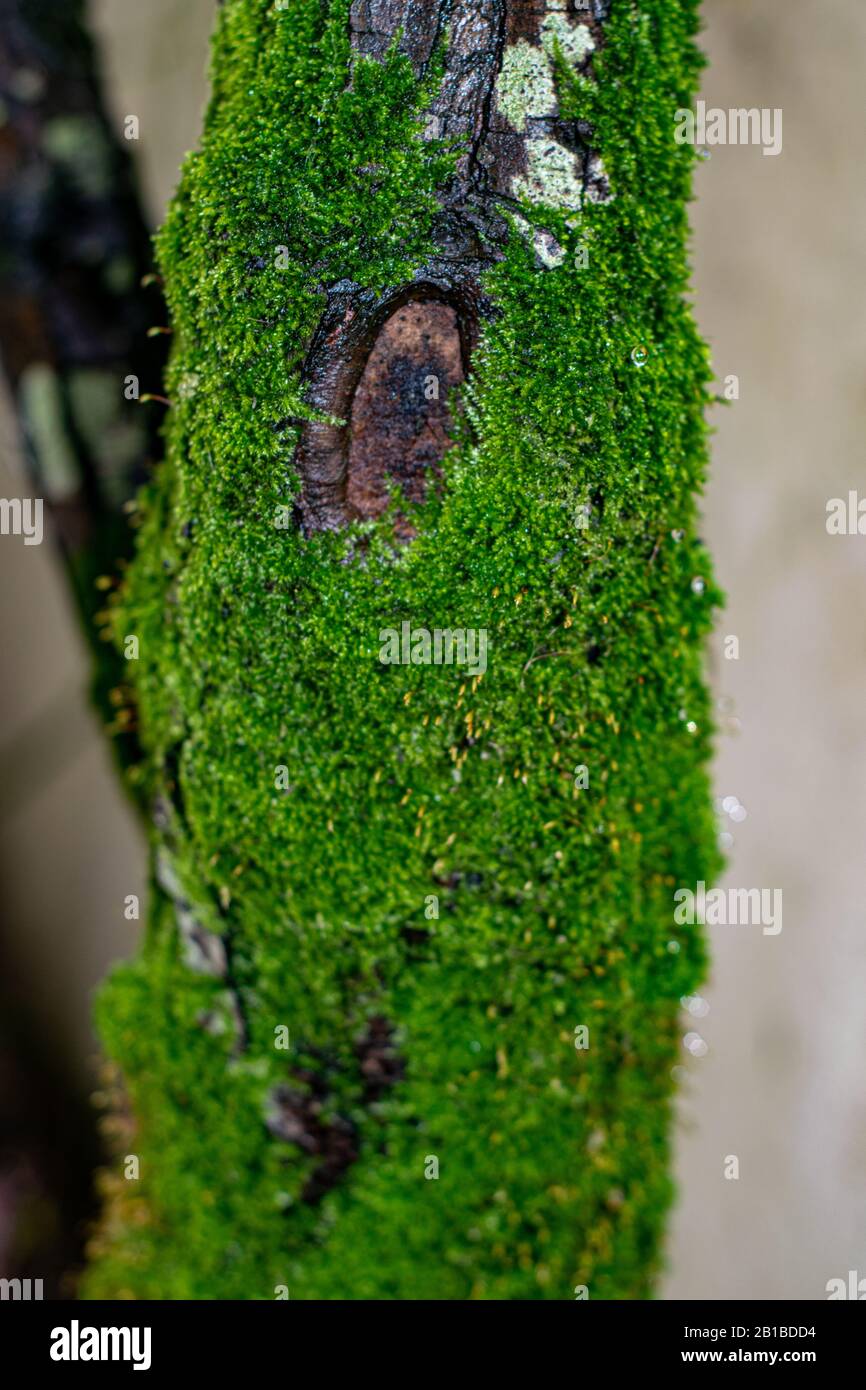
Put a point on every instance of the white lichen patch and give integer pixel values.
(525, 86)
(554, 176)
(575, 40)
(597, 174)
(547, 249)
(544, 243)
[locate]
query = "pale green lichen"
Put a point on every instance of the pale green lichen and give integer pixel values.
(544, 244)
(525, 86)
(574, 40)
(554, 178)
(547, 249)
(187, 385)
(597, 172)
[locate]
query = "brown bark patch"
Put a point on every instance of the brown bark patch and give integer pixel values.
(381, 1065)
(401, 423)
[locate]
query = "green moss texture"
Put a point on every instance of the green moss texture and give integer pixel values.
(565, 527)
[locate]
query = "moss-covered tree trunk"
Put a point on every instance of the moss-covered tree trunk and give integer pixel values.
(416, 626)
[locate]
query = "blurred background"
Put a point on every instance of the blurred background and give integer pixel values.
(780, 291)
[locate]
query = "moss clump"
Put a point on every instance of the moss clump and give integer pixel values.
(566, 529)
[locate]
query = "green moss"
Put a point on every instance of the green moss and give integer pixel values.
(259, 649)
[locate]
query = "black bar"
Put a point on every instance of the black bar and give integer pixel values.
(279, 1338)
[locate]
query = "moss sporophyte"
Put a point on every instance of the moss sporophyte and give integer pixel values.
(395, 864)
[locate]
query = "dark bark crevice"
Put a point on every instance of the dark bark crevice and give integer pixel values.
(297, 1111)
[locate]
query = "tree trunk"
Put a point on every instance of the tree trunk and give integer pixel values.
(416, 627)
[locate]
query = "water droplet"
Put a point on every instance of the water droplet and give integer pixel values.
(694, 1043)
(728, 804)
(726, 840)
(739, 814)
(639, 356)
(692, 727)
(677, 535)
(698, 585)
(698, 1007)
(682, 714)
(674, 948)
